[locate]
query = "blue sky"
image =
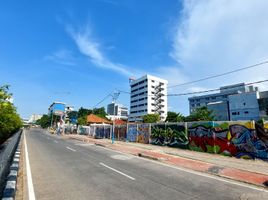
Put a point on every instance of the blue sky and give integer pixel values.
(79, 51)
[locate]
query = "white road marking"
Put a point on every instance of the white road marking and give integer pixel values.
(70, 149)
(247, 185)
(130, 177)
(79, 144)
(28, 172)
(56, 141)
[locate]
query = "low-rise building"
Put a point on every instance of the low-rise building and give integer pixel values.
(244, 106)
(233, 102)
(117, 111)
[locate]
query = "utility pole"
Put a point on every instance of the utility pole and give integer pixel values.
(115, 97)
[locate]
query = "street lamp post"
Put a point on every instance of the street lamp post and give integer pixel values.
(115, 96)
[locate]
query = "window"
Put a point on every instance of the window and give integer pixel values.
(152, 86)
(152, 81)
(198, 104)
(233, 113)
(246, 112)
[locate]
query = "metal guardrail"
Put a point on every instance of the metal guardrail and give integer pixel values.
(7, 151)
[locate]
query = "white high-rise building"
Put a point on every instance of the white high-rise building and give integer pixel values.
(148, 96)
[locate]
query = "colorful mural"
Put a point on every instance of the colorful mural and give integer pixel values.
(143, 133)
(158, 134)
(120, 132)
(243, 139)
(173, 135)
(102, 131)
(132, 133)
(176, 135)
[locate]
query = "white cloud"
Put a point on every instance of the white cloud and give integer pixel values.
(90, 48)
(61, 56)
(214, 37)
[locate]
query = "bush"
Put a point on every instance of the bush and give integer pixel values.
(10, 121)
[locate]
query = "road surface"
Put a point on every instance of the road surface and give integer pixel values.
(69, 169)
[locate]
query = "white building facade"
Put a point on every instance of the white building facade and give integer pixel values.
(244, 106)
(117, 111)
(148, 96)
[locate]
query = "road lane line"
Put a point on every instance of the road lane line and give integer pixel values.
(130, 177)
(70, 149)
(56, 141)
(28, 172)
(218, 178)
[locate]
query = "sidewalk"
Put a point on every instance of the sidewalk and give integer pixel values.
(249, 171)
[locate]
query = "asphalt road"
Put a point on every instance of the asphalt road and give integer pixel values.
(68, 169)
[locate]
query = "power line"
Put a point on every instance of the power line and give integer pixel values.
(205, 91)
(102, 100)
(219, 75)
(213, 90)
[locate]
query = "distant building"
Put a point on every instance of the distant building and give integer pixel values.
(117, 111)
(34, 118)
(148, 96)
(263, 104)
(219, 102)
(57, 108)
(220, 110)
(244, 106)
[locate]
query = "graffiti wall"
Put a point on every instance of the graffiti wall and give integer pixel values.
(243, 139)
(102, 131)
(132, 132)
(176, 135)
(120, 132)
(170, 134)
(83, 130)
(143, 133)
(158, 134)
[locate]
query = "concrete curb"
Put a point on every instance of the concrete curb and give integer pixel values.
(240, 175)
(10, 188)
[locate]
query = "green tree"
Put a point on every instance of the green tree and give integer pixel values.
(10, 121)
(201, 114)
(100, 112)
(151, 118)
(82, 120)
(174, 117)
(45, 121)
(83, 112)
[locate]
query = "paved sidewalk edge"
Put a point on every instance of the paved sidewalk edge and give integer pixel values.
(240, 175)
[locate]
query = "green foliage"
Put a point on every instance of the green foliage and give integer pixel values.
(10, 121)
(201, 114)
(100, 112)
(174, 117)
(151, 118)
(82, 120)
(45, 121)
(83, 112)
(73, 115)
